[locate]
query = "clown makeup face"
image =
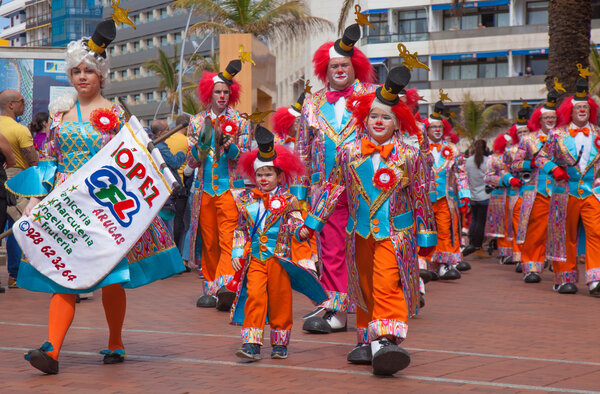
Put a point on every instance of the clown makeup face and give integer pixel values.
(220, 98)
(340, 73)
(548, 121)
(267, 178)
(435, 131)
(521, 131)
(580, 113)
(381, 125)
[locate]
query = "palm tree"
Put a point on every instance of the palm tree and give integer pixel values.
(166, 69)
(595, 70)
(286, 19)
(190, 105)
(569, 25)
(476, 121)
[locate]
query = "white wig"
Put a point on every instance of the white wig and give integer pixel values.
(78, 52)
(62, 103)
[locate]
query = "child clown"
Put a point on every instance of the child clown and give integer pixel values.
(268, 247)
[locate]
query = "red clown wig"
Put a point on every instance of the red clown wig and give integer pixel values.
(283, 121)
(360, 106)
(500, 143)
(566, 108)
(512, 132)
(363, 70)
(534, 123)
(412, 100)
(205, 90)
(286, 160)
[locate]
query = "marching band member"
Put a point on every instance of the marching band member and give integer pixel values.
(390, 216)
(535, 206)
(286, 122)
(80, 126)
(269, 234)
(499, 178)
(571, 155)
(216, 137)
(448, 177)
(326, 124)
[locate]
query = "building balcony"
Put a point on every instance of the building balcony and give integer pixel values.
(36, 21)
(12, 7)
(487, 32)
(10, 32)
(486, 82)
(394, 38)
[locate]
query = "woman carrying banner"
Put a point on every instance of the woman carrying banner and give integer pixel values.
(81, 125)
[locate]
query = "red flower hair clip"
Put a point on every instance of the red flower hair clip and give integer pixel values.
(277, 204)
(597, 142)
(446, 152)
(228, 127)
(103, 119)
(384, 179)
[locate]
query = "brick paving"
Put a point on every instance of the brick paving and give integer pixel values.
(488, 332)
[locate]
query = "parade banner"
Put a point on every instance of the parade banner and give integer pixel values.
(86, 225)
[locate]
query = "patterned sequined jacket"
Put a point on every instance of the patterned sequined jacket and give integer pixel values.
(497, 175)
(401, 213)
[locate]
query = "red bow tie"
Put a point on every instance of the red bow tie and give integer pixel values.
(435, 146)
(574, 132)
(261, 196)
(543, 138)
(289, 140)
(334, 95)
(367, 147)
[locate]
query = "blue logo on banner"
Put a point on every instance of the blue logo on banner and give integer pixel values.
(107, 188)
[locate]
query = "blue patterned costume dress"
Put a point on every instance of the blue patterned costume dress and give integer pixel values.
(68, 147)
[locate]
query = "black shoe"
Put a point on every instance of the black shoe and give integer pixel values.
(425, 275)
(279, 352)
(2, 289)
(206, 301)
(532, 277)
(39, 359)
(249, 351)
(468, 250)
(595, 291)
(389, 359)
(313, 313)
(518, 268)
(361, 354)
(316, 325)
(113, 357)
(225, 299)
(448, 272)
(507, 260)
(566, 288)
(463, 266)
(421, 301)
(434, 276)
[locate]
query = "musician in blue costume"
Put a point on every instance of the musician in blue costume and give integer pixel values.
(81, 125)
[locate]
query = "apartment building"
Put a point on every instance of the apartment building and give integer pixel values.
(158, 25)
(484, 52)
(14, 32)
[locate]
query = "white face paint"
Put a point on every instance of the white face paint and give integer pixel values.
(381, 125)
(548, 120)
(580, 113)
(521, 131)
(435, 131)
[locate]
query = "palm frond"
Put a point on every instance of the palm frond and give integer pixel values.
(210, 7)
(346, 7)
(213, 27)
(595, 69)
(288, 20)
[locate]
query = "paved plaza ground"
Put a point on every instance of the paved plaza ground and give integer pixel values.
(487, 332)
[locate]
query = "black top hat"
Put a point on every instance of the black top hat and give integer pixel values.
(266, 144)
(438, 110)
(551, 99)
(298, 106)
(232, 69)
(345, 45)
(395, 82)
(581, 90)
(523, 116)
(105, 33)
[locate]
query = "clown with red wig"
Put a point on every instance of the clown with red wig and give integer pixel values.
(326, 124)
(498, 176)
(411, 98)
(268, 246)
(515, 191)
(216, 137)
(286, 122)
(571, 155)
(533, 218)
(450, 185)
(390, 216)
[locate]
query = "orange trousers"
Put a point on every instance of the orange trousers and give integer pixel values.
(588, 211)
(219, 220)
(447, 250)
(269, 290)
(516, 213)
(62, 311)
(380, 284)
(534, 248)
